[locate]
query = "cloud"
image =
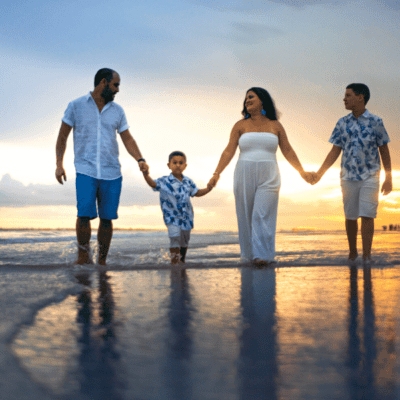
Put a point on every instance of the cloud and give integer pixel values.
(135, 192)
(252, 33)
(265, 5)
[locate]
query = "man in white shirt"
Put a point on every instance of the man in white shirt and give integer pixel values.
(95, 119)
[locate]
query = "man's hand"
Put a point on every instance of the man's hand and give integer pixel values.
(144, 167)
(60, 173)
(387, 186)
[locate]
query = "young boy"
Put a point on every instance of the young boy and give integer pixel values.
(175, 192)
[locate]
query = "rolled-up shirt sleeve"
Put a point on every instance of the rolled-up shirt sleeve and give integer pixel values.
(123, 125)
(69, 115)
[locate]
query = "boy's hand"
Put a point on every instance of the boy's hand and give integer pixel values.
(143, 166)
(387, 186)
(213, 181)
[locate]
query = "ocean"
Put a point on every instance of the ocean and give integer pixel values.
(138, 249)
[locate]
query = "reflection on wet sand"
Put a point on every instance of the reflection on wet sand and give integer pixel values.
(361, 350)
(257, 366)
(299, 333)
(177, 369)
(99, 369)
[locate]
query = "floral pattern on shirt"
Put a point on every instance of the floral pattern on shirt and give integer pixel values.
(359, 140)
(175, 200)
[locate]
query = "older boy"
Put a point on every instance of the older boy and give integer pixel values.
(362, 137)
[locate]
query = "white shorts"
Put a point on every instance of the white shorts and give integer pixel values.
(360, 198)
(178, 237)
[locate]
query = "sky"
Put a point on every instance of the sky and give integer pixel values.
(185, 67)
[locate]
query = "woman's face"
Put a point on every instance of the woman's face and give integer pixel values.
(253, 102)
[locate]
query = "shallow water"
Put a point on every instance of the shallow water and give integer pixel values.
(130, 249)
(226, 333)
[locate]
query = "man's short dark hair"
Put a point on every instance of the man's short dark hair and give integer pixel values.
(106, 73)
(176, 153)
(360, 88)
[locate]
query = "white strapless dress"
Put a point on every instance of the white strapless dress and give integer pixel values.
(256, 187)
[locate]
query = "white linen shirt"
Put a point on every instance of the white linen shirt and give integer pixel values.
(359, 139)
(175, 200)
(95, 141)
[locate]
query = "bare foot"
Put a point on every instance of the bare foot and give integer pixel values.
(83, 260)
(260, 263)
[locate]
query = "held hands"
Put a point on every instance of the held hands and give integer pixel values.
(311, 177)
(213, 181)
(144, 167)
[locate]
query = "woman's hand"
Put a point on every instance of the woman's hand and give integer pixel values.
(213, 181)
(310, 177)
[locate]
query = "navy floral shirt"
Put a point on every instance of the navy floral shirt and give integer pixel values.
(175, 200)
(359, 140)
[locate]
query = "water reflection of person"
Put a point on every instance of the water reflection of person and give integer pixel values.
(361, 354)
(257, 367)
(98, 357)
(178, 381)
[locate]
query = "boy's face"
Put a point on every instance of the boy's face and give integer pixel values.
(352, 100)
(177, 165)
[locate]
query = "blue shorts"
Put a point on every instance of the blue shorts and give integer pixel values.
(107, 193)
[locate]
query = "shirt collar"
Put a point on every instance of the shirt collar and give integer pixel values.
(366, 114)
(172, 178)
(89, 96)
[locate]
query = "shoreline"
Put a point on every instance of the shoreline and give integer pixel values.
(189, 265)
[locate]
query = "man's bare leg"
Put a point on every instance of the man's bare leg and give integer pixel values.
(83, 234)
(367, 235)
(104, 235)
(352, 230)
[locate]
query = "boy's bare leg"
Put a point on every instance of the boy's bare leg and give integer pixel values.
(104, 236)
(367, 234)
(83, 234)
(183, 251)
(351, 230)
(175, 255)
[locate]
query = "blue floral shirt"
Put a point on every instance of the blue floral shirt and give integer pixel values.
(175, 200)
(359, 140)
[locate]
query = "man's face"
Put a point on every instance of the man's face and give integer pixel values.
(111, 89)
(352, 100)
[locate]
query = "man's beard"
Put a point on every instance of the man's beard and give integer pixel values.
(107, 94)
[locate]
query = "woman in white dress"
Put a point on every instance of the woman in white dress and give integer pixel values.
(257, 179)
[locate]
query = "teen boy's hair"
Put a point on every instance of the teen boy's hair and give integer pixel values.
(176, 153)
(360, 88)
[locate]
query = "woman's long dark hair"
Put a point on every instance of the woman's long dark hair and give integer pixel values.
(267, 102)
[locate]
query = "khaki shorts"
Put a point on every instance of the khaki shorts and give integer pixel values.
(360, 198)
(178, 237)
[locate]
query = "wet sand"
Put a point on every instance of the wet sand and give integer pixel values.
(200, 333)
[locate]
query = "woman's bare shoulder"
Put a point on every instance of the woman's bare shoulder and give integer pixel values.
(278, 127)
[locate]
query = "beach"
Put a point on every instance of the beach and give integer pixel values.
(216, 329)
